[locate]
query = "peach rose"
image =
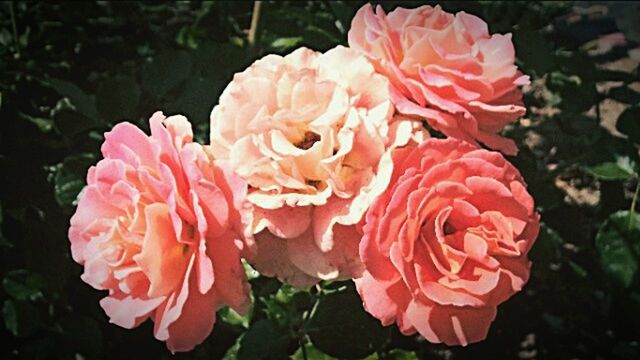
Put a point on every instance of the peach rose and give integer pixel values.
(158, 226)
(311, 135)
(447, 242)
(446, 69)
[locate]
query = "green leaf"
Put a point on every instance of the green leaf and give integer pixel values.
(188, 36)
(230, 316)
(263, 286)
(618, 244)
(340, 327)
(44, 125)
(312, 354)
(533, 50)
(21, 285)
(399, 354)
(624, 94)
(343, 14)
(10, 316)
(69, 178)
(263, 340)
(220, 61)
(117, 99)
(613, 75)
(20, 318)
(622, 169)
(609, 148)
(23, 39)
(6, 39)
(196, 99)
(71, 123)
(578, 94)
(232, 352)
(85, 104)
(629, 123)
(165, 72)
(285, 43)
(578, 269)
(625, 15)
(286, 307)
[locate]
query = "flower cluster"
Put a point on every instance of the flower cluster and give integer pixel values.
(321, 167)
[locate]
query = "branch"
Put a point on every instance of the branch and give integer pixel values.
(255, 17)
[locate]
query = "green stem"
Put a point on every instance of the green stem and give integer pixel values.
(305, 318)
(303, 346)
(632, 210)
(15, 29)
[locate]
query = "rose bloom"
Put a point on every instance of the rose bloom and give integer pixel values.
(447, 242)
(158, 227)
(446, 69)
(311, 134)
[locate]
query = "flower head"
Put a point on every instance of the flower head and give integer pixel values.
(311, 133)
(447, 242)
(159, 226)
(446, 69)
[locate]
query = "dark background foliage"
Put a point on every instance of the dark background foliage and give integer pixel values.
(71, 70)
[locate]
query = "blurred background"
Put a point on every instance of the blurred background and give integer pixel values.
(69, 71)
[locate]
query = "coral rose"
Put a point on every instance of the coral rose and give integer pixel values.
(311, 135)
(447, 242)
(446, 69)
(158, 226)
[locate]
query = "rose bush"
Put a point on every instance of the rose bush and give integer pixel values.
(311, 134)
(446, 69)
(447, 242)
(71, 71)
(159, 227)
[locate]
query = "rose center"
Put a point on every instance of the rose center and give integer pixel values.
(448, 229)
(308, 140)
(190, 230)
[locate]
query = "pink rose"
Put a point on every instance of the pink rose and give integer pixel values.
(446, 69)
(447, 242)
(158, 226)
(311, 135)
